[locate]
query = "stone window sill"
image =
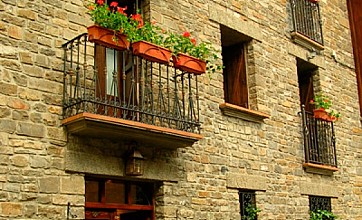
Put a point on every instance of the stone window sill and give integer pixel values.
(306, 42)
(243, 113)
(319, 169)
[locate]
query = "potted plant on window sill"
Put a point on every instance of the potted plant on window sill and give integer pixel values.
(110, 21)
(189, 56)
(322, 108)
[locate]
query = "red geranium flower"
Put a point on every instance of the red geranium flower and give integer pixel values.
(114, 4)
(186, 34)
(138, 18)
(121, 10)
(193, 41)
(100, 2)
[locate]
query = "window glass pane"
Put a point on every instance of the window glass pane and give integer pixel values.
(92, 191)
(141, 194)
(115, 192)
(112, 65)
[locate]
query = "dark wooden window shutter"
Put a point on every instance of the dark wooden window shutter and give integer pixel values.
(306, 90)
(235, 80)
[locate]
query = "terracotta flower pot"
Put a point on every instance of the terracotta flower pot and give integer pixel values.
(151, 52)
(107, 38)
(189, 64)
(322, 114)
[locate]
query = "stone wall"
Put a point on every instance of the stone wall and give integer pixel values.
(38, 176)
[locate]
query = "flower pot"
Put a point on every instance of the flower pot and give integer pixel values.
(322, 114)
(151, 52)
(107, 38)
(189, 64)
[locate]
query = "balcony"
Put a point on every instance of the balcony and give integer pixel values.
(114, 94)
(307, 24)
(319, 144)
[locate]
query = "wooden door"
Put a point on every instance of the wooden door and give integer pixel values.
(115, 74)
(355, 19)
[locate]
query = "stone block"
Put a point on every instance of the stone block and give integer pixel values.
(32, 130)
(4, 112)
(34, 71)
(20, 115)
(319, 189)
(27, 13)
(18, 104)
(15, 32)
(30, 210)
(75, 200)
(8, 89)
(7, 125)
(10, 209)
(26, 57)
(48, 212)
(39, 162)
(19, 160)
(241, 181)
(49, 184)
(72, 185)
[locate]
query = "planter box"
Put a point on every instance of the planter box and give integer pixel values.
(107, 38)
(151, 52)
(189, 64)
(322, 114)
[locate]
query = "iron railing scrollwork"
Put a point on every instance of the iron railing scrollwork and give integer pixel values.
(307, 20)
(319, 140)
(320, 203)
(127, 87)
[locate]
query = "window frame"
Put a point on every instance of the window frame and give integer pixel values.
(118, 208)
(320, 203)
(244, 201)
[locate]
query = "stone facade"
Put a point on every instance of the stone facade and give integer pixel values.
(42, 168)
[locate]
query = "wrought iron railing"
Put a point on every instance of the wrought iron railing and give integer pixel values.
(319, 140)
(307, 20)
(118, 84)
(319, 203)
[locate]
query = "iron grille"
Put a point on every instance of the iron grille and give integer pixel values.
(137, 89)
(319, 203)
(246, 199)
(319, 140)
(307, 20)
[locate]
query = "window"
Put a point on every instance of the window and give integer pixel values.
(305, 80)
(247, 202)
(132, 5)
(321, 205)
(307, 23)
(115, 199)
(234, 53)
(319, 137)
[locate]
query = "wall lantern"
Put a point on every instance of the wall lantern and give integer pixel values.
(134, 163)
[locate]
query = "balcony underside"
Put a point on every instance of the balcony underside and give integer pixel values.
(100, 126)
